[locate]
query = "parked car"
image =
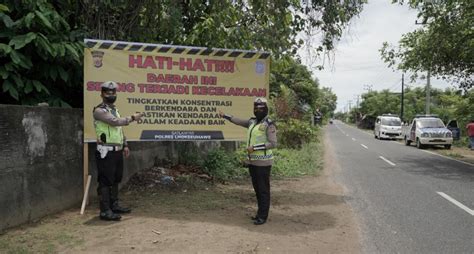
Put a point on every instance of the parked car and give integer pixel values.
(388, 126)
(454, 128)
(427, 130)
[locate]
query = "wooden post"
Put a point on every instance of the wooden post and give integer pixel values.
(85, 165)
(85, 199)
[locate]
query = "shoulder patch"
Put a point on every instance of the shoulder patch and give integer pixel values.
(269, 122)
(252, 120)
(100, 106)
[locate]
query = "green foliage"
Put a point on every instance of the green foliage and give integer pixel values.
(285, 105)
(41, 41)
(375, 103)
(326, 102)
(36, 43)
(444, 45)
(449, 104)
(296, 94)
(294, 133)
(290, 73)
(263, 25)
(306, 160)
(222, 165)
(298, 162)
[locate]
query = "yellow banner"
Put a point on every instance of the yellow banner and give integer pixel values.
(179, 89)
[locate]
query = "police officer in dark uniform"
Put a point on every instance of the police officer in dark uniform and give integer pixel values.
(261, 138)
(111, 147)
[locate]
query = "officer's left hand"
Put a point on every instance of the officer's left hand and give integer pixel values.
(126, 152)
(250, 149)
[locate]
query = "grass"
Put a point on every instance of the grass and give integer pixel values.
(293, 163)
(41, 237)
(455, 155)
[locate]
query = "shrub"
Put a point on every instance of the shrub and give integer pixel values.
(293, 133)
(222, 165)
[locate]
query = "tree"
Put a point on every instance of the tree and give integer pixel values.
(289, 72)
(270, 25)
(41, 42)
(444, 45)
(327, 101)
(39, 55)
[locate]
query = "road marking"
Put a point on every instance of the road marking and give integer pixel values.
(364, 146)
(347, 135)
(454, 201)
(341, 130)
(353, 139)
(387, 161)
(467, 163)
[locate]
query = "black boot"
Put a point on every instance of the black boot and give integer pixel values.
(259, 221)
(105, 212)
(116, 208)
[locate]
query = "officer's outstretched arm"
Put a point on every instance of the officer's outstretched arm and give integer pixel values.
(105, 116)
(235, 120)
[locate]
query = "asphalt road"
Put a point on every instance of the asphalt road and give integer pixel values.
(406, 200)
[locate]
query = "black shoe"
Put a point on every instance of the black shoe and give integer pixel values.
(259, 221)
(109, 215)
(254, 217)
(118, 209)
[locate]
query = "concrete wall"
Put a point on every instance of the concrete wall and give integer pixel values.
(41, 161)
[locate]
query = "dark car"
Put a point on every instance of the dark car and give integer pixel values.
(454, 128)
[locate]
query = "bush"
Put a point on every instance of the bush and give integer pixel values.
(222, 165)
(293, 133)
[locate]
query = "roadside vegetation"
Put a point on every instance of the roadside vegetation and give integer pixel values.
(41, 42)
(449, 104)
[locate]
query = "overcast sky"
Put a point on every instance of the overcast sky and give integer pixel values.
(357, 62)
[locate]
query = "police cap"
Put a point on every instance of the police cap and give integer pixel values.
(260, 102)
(109, 85)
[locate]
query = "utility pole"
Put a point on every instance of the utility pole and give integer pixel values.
(368, 88)
(428, 93)
(401, 108)
(428, 88)
(356, 112)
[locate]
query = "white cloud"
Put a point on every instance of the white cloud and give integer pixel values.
(357, 60)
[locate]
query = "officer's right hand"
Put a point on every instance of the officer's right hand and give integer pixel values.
(137, 116)
(221, 114)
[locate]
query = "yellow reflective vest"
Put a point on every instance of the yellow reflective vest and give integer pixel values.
(257, 135)
(113, 134)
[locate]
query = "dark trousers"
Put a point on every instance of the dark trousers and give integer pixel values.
(110, 172)
(261, 184)
(110, 168)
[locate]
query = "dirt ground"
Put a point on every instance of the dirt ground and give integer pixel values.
(458, 153)
(308, 215)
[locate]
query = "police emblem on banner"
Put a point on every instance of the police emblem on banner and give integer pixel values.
(97, 57)
(259, 67)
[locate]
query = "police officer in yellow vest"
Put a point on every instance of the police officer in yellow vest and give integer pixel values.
(261, 138)
(111, 147)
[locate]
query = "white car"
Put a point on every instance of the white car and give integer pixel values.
(388, 126)
(426, 131)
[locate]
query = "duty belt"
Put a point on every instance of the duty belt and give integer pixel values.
(260, 157)
(109, 147)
